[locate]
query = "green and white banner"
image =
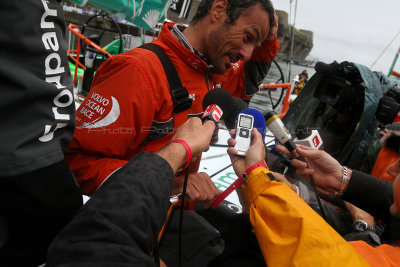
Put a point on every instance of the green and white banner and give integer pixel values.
(143, 13)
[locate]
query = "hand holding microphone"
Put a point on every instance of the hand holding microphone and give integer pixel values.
(321, 169)
(196, 134)
(306, 137)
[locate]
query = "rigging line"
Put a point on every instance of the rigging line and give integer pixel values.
(212, 175)
(292, 40)
(384, 50)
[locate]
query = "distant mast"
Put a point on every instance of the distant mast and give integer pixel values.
(391, 72)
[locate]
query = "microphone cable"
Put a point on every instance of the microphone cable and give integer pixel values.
(181, 215)
(318, 200)
(172, 213)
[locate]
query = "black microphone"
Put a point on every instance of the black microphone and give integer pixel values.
(238, 106)
(217, 104)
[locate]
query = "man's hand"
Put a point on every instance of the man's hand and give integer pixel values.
(322, 169)
(196, 134)
(256, 152)
(200, 188)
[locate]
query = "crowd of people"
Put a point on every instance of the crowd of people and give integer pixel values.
(130, 147)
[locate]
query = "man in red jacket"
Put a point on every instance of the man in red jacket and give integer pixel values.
(129, 108)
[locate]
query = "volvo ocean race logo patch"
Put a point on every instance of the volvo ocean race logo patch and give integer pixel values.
(101, 112)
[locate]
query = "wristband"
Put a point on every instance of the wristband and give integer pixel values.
(188, 150)
(252, 167)
(238, 182)
(344, 180)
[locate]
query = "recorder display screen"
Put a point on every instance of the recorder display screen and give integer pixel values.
(245, 122)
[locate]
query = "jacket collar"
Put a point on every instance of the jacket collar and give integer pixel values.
(183, 52)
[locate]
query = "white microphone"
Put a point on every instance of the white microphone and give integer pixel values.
(279, 130)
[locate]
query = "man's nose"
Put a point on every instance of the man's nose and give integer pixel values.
(246, 51)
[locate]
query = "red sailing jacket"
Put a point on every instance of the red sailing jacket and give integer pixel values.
(129, 107)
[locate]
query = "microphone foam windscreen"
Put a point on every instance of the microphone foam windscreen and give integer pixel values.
(259, 121)
(222, 98)
(238, 106)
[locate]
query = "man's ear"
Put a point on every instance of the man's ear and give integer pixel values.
(218, 10)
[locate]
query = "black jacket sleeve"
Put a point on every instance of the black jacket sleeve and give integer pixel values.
(119, 225)
(36, 98)
(373, 195)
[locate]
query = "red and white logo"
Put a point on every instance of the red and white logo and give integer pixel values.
(215, 111)
(97, 111)
(316, 141)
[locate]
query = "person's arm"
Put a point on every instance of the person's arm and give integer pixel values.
(373, 195)
(364, 191)
(121, 221)
(359, 214)
(284, 222)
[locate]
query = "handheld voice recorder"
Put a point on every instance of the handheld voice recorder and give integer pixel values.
(243, 133)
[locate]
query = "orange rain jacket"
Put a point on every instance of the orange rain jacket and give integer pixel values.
(289, 232)
(129, 105)
(382, 256)
(386, 157)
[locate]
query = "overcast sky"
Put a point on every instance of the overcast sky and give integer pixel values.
(352, 30)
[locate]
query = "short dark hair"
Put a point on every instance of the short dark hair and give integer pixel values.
(234, 10)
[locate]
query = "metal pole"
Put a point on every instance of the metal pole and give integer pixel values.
(292, 41)
(288, 54)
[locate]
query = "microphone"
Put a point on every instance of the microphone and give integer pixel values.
(308, 137)
(212, 113)
(217, 104)
(238, 106)
(259, 121)
(279, 130)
